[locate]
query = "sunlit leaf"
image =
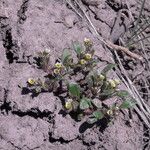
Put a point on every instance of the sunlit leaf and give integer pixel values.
(65, 56)
(107, 93)
(97, 103)
(127, 104)
(75, 105)
(92, 120)
(122, 94)
(98, 114)
(107, 68)
(85, 103)
(79, 117)
(74, 90)
(38, 89)
(77, 48)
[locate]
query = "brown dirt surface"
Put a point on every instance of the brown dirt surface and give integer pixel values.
(36, 123)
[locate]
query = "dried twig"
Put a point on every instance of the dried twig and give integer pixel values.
(68, 1)
(107, 42)
(123, 49)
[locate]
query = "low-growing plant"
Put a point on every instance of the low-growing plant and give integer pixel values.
(86, 87)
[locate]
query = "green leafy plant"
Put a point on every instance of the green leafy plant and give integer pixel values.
(85, 86)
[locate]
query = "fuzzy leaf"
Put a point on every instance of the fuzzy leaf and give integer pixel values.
(98, 115)
(65, 56)
(74, 90)
(75, 105)
(91, 120)
(85, 103)
(97, 103)
(89, 81)
(79, 117)
(107, 68)
(38, 89)
(122, 94)
(77, 48)
(107, 93)
(127, 104)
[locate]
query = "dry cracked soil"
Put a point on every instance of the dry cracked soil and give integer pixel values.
(36, 123)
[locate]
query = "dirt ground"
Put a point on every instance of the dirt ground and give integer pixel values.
(26, 123)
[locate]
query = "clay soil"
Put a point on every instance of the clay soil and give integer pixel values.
(27, 123)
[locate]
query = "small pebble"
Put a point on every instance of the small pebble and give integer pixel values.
(69, 21)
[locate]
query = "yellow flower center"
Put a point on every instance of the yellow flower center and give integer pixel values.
(110, 112)
(56, 71)
(68, 104)
(87, 42)
(82, 61)
(31, 81)
(101, 77)
(58, 65)
(88, 56)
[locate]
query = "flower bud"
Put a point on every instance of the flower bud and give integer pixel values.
(58, 65)
(31, 81)
(101, 77)
(68, 104)
(112, 83)
(117, 81)
(110, 112)
(116, 108)
(87, 42)
(88, 56)
(82, 61)
(56, 71)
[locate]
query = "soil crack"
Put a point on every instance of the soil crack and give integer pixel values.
(116, 5)
(60, 139)
(16, 147)
(7, 107)
(21, 12)
(97, 18)
(35, 113)
(8, 42)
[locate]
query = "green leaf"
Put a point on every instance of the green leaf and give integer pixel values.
(89, 82)
(97, 103)
(65, 56)
(77, 48)
(127, 104)
(38, 89)
(91, 120)
(107, 68)
(98, 115)
(85, 103)
(74, 90)
(75, 105)
(80, 117)
(122, 93)
(108, 93)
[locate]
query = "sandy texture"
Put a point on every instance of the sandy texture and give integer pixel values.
(26, 123)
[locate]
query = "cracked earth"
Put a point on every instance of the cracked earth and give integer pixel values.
(35, 123)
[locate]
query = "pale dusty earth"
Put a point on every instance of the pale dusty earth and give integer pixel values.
(26, 123)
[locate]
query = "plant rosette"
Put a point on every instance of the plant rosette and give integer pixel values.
(81, 89)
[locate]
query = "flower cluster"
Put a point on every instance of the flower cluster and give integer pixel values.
(84, 93)
(58, 67)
